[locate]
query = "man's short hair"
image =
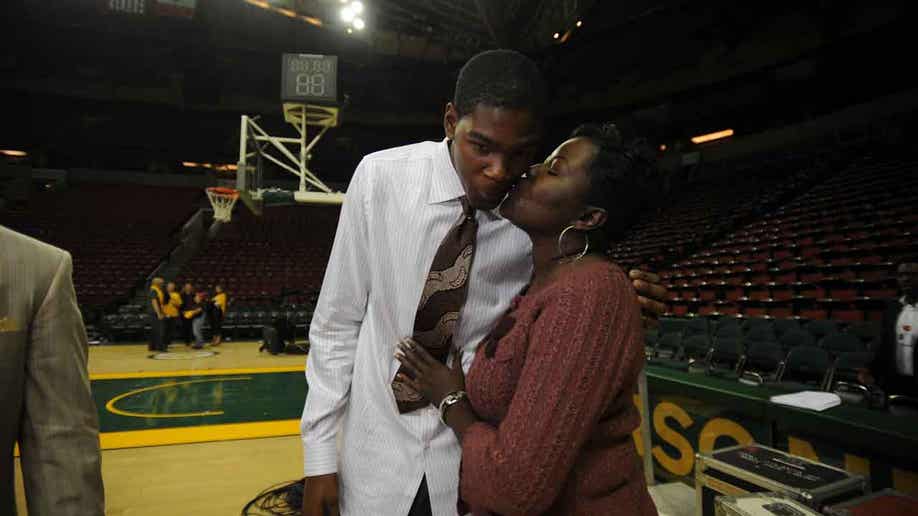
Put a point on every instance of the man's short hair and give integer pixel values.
(500, 78)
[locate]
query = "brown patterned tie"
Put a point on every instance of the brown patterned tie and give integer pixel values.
(442, 299)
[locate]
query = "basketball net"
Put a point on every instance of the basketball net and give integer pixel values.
(222, 199)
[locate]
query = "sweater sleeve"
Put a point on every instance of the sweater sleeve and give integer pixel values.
(581, 355)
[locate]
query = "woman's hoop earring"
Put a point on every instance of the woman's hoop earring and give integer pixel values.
(583, 253)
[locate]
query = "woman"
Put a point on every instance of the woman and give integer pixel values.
(546, 424)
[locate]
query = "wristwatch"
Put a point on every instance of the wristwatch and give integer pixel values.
(448, 401)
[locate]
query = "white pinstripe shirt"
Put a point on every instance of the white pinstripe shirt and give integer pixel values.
(400, 204)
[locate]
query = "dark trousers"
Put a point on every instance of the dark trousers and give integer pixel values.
(170, 330)
(186, 330)
(157, 333)
(215, 320)
(421, 505)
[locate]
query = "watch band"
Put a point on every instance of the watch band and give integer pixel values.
(448, 401)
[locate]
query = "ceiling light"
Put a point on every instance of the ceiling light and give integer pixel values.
(359, 24)
(14, 153)
(357, 7)
(713, 136)
(347, 14)
(579, 23)
(556, 35)
(350, 30)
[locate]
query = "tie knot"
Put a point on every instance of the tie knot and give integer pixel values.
(467, 209)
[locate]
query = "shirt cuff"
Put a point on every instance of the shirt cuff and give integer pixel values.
(320, 459)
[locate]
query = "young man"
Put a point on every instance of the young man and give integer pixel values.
(157, 316)
(404, 208)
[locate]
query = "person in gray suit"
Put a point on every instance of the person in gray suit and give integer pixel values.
(44, 384)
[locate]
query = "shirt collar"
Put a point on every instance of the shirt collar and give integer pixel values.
(445, 184)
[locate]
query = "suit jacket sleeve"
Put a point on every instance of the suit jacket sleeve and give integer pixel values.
(59, 436)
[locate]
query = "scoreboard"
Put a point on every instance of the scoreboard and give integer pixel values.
(309, 78)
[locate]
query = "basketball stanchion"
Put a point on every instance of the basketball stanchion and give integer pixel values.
(222, 199)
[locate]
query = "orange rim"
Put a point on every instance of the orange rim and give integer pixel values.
(222, 190)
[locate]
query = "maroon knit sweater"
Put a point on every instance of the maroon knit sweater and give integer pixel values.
(554, 385)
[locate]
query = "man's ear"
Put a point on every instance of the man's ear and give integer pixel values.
(592, 218)
(450, 120)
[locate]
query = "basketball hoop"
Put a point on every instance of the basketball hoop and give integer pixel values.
(222, 199)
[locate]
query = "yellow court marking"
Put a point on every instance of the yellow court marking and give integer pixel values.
(192, 372)
(110, 406)
(198, 434)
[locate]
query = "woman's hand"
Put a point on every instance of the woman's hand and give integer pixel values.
(431, 379)
(651, 296)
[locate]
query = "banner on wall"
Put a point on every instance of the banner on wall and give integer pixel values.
(682, 427)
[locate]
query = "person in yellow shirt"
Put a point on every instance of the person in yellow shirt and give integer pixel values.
(220, 301)
(157, 317)
(173, 301)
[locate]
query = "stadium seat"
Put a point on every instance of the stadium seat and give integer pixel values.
(759, 334)
(806, 368)
(763, 362)
(695, 349)
(672, 325)
(868, 332)
(696, 326)
(838, 343)
(669, 348)
(846, 383)
(819, 329)
(750, 324)
(796, 338)
(726, 358)
(782, 326)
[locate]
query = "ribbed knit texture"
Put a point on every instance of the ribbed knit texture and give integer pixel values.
(556, 400)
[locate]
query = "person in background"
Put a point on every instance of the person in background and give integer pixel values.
(896, 364)
(187, 303)
(217, 314)
(171, 309)
(157, 315)
(44, 384)
(195, 314)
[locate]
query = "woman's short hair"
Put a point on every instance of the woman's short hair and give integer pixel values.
(623, 177)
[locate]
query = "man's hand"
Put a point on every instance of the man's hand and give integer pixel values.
(651, 296)
(320, 495)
